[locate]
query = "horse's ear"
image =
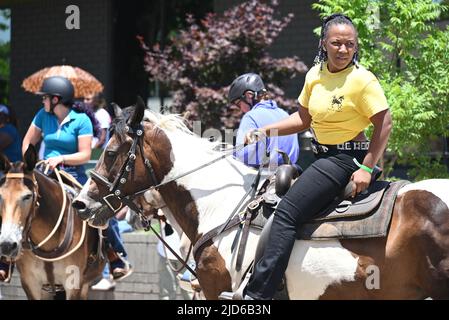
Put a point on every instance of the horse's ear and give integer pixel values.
(30, 158)
(138, 113)
(117, 110)
(5, 165)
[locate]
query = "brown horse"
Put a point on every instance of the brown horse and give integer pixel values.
(147, 149)
(30, 208)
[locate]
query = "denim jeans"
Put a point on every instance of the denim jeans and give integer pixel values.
(78, 172)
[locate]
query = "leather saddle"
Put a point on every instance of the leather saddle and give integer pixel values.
(367, 215)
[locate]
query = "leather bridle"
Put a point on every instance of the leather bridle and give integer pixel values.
(115, 188)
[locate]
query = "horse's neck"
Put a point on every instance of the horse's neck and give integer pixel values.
(50, 199)
(215, 190)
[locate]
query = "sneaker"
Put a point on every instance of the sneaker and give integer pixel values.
(103, 285)
(121, 269)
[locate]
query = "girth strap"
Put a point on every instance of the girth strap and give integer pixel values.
(236, 220)
(243, 240)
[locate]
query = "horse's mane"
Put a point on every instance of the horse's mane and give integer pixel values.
(175, 124)
(170, 122)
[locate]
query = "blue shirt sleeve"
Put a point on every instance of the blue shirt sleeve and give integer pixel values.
(38, 119)
(252, 154)
(85, 127)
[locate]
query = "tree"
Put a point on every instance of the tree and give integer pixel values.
(445, 14)
(200, 62)
(402, 45)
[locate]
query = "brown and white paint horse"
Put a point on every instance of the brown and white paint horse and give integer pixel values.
(30, 205)
(412, 262)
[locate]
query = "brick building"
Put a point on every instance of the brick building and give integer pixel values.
(105, 44)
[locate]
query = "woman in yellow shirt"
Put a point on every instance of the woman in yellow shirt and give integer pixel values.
(339, 100)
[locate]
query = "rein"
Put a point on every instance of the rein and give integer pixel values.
(115, 191)
(56, 253)
(49, 256)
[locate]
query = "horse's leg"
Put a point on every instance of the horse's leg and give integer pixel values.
(212, 273)
(30, 277)
(80, 293)
(32, 291)
(84, 291)
(73, 294)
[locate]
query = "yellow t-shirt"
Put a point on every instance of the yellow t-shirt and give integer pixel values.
(341, 103)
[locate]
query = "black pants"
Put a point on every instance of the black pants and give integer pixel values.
(315, 188)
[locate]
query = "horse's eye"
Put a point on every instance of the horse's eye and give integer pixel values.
(27, 197)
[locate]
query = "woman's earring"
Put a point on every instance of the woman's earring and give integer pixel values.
(355, 60)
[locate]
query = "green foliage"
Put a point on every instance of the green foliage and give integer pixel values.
(401, 44)
(445, 15)
(5, 14)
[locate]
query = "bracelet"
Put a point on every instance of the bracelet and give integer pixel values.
(362, 166)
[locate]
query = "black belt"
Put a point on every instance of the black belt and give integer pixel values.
(319, 148)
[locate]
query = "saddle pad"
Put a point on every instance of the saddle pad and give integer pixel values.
(360, 206)
(374, 225)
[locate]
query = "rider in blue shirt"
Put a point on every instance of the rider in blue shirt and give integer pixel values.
(62, 139)
(249, 94)
(68, 136)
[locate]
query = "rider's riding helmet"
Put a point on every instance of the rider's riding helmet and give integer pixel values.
(60, 87)
(246, 82)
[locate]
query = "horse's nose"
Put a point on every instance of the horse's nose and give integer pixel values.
(81, 207)
(7, 248)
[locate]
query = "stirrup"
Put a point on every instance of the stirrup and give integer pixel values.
(119, 273)
(237, 295)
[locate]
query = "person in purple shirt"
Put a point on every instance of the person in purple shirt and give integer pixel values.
(249, 94)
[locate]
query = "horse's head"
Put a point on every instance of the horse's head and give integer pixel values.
(18, 196)
(136, 157)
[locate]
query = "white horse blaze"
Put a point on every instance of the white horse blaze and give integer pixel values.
(11, 232)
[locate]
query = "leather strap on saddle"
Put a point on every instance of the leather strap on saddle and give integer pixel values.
(251, 210)
(236, 220)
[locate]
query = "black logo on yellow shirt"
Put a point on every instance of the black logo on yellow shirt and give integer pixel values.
(337, 103)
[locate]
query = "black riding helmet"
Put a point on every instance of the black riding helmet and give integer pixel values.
(246, 82)
(60, 87)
